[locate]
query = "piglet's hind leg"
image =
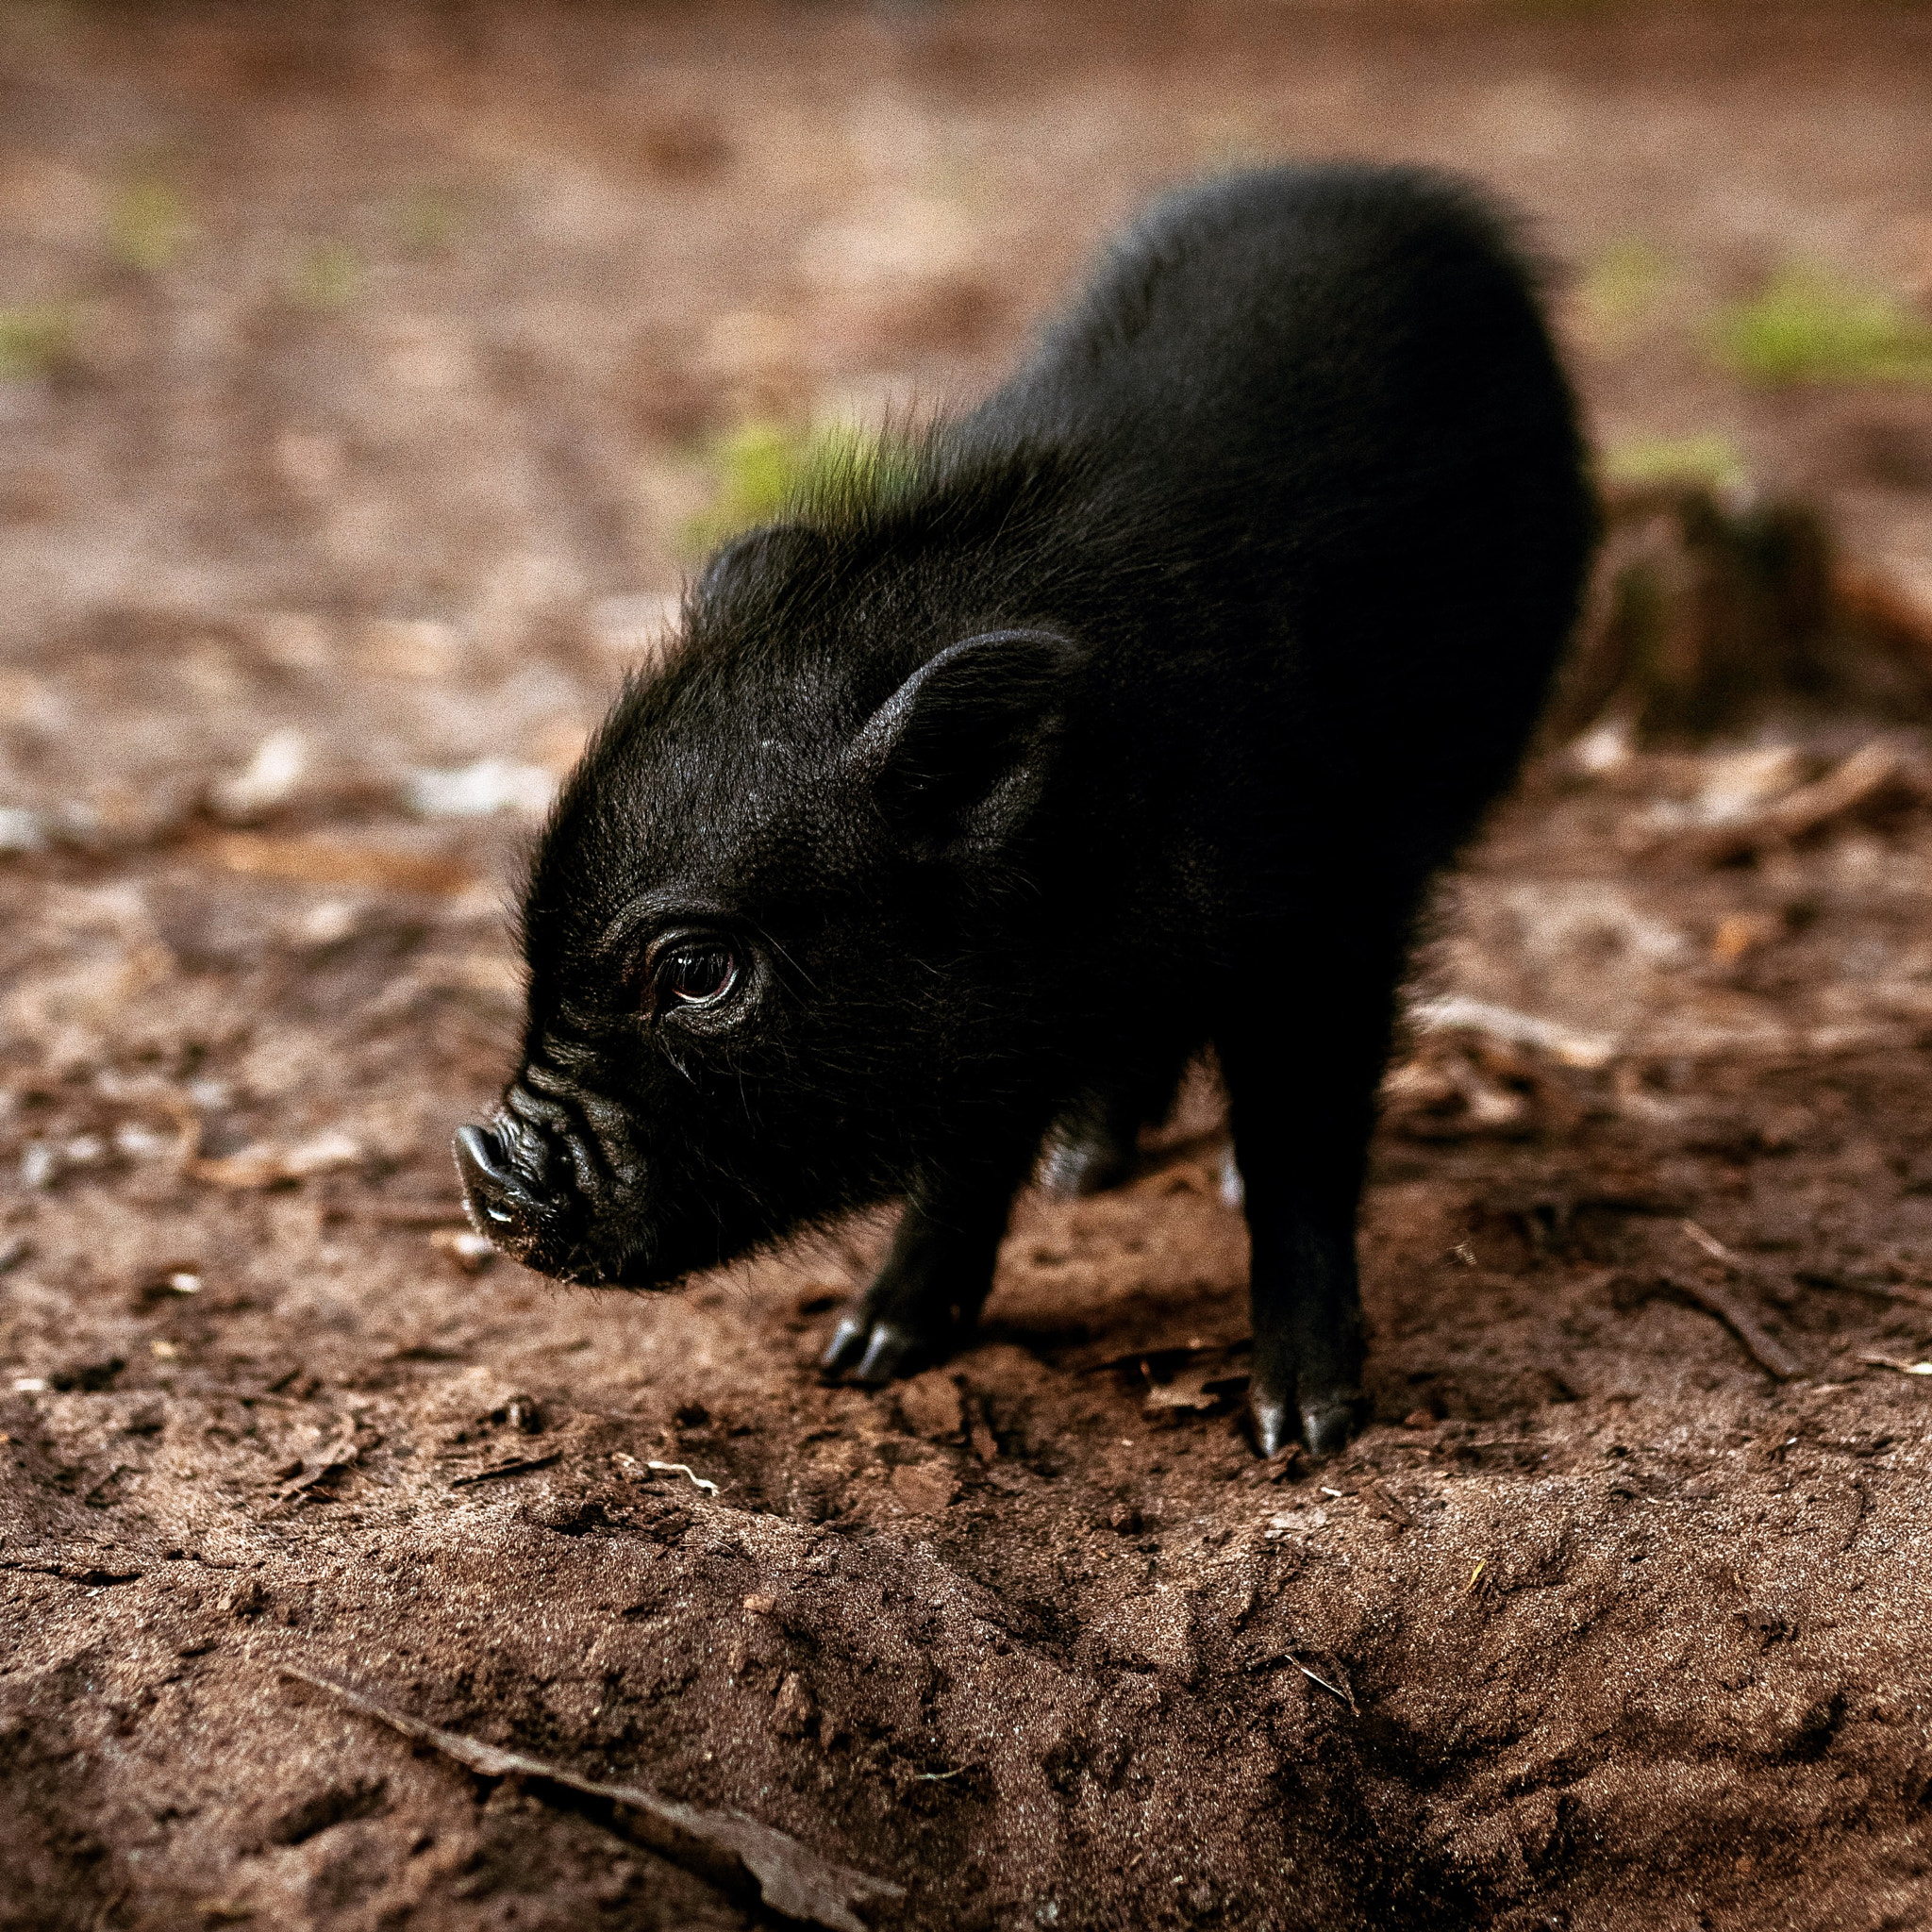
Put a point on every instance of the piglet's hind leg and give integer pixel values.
(1307, 1361)
(1302, 1115)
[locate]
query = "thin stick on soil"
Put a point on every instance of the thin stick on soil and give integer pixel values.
(1890, 1291)
(742, 1857)
(1709, 1243)
(519, 1467)
(1764, 1349)
(1315, 1678)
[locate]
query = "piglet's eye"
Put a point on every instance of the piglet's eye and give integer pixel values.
(695, 973)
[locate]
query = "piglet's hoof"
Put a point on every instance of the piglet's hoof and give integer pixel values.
(846, 1345)
(1328, 1425)
(873, 1351)
(1275, 1423)
(1325, 1425)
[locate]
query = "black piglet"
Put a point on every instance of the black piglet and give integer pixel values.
(1129, 714)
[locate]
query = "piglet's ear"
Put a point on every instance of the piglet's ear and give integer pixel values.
(962, 749)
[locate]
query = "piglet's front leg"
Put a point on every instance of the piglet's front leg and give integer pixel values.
(925, 1299)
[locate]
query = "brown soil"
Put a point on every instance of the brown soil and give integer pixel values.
(1601, 1623)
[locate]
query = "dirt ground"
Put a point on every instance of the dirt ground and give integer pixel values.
(363, 369)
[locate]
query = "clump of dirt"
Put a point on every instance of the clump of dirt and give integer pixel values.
(346, 478)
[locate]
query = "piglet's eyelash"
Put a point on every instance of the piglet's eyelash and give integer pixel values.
(690, 973)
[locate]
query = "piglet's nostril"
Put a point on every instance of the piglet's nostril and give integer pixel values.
(483, 1171)
(480, 1152)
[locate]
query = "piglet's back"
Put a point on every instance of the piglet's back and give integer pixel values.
(1316, 412)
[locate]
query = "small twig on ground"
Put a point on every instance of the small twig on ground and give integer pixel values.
(737, 1854)
(331, 862)
(1342, 1691)
(1136, 1357)
(1871, 771)
(1709, 1243)
(684, 1468)
(1877, 776)
(519, 1467)
(1878, 1291)
(1886, 1362)
(95, 1575)
(1764, 1349)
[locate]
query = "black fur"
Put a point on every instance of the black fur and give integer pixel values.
(1129, 714)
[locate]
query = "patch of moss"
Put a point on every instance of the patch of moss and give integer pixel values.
(147, 226)
(1621, 287)
(36, 338)
(1710, 461)
(761, 469)
(1807, 326)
